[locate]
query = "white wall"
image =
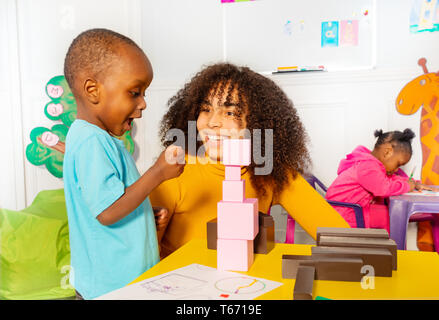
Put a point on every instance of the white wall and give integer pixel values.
(340, 110)
(12, 187)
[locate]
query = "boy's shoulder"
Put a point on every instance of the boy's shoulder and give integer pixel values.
(82, 132)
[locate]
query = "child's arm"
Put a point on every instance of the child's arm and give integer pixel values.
(419, 186)
(416, 183)
(380, 184)
(136, 193)
(401, 173)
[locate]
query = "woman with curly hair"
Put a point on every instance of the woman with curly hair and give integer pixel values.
(226, 101)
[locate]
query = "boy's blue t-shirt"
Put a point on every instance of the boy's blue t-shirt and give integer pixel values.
(97, 169)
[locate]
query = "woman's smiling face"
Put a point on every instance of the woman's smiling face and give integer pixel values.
(218, 120)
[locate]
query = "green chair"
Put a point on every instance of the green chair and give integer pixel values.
(35, 251)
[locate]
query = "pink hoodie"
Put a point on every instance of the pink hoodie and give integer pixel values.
(361, 179)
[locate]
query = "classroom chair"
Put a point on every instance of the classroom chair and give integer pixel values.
(314, 182)
(434, 219)
(291, 224)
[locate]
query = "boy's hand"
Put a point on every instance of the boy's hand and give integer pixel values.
(162, 217)
(171, 162)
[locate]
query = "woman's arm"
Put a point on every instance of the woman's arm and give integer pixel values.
(310, 209)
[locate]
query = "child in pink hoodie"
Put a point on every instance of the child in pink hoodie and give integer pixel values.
(366, 176)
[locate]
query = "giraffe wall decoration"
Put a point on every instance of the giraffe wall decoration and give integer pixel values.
(423, 91)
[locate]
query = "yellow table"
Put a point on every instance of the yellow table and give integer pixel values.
(417, 276)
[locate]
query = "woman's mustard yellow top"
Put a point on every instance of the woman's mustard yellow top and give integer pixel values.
(192, 200)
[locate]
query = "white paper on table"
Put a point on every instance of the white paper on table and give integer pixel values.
(195, 282)
(422, 193)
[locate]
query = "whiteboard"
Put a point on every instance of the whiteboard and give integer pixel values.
(266, 34)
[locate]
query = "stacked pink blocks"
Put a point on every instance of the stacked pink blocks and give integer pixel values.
(237, 216)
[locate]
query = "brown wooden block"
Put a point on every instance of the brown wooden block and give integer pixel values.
(264, 241)
(352, 232)
(336, 269)
(329, 241)
(290, 264)
(212, 234)
(265, 220)
(304, 283)
(379, 258)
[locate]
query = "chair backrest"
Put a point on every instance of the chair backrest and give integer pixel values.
(313, 181)
(358, 210)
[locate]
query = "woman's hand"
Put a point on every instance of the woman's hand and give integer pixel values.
(162, 218)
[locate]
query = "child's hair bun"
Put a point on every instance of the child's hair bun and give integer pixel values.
(407, 135)
(378, 133)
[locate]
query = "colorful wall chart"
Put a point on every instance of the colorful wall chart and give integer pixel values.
(424, 16)
(348, 32)
(340, 33)
(329, 34)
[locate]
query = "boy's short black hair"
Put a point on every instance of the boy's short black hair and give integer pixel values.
(93, 50)
(401, 141)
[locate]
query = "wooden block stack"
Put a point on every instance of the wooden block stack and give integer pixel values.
(237, 216)
(340, 255)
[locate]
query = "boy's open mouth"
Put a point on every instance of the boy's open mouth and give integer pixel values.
(128, 125)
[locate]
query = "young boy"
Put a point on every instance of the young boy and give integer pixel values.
(113, 236)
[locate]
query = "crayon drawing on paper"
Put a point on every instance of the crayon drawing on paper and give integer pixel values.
(424, 16)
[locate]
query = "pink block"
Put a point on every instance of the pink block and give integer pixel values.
(238, 220)
(236, 152)
(234, 254)
(234, 190)
(233, 173)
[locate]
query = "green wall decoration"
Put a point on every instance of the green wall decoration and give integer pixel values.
(47, 146)
(52, 155)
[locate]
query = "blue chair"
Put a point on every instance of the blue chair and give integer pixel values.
(359, 216)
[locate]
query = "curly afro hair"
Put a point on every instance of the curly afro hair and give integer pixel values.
(265, 106)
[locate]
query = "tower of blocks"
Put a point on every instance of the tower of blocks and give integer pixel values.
(340, 255)
(237, 216)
